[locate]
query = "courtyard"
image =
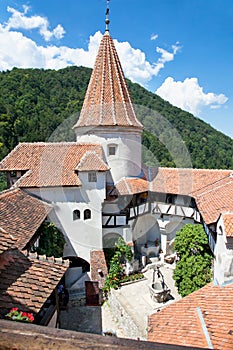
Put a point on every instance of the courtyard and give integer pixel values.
(126, 312)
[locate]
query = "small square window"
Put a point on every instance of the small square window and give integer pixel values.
(112, 150)
(92, 176)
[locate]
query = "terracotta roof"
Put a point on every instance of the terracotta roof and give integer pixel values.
(206, 313)
(228, 224)
(215, 199)
(91, 161)
(107, 101)
(49, 164)
(128, 186)
(21, 215)
(184, 181)
(6, 241)
(27, 282)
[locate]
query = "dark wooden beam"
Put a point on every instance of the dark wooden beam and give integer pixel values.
(18, 336)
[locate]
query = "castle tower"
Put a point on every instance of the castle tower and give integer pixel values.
(108, 116)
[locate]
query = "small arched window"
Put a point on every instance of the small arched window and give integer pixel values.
(87, 214)
(76, 214)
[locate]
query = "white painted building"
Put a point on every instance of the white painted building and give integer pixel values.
(98, 187)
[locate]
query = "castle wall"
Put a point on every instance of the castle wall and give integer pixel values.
(127, 160)
(81, 235)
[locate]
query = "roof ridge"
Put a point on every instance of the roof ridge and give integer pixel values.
(9, 191)
(195, 169)
(62, 143)
(87, 155)
(211, 184)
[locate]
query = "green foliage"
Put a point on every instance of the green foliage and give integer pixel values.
(193, 270)
(3, 183)
(134, 277)
(168, 127)
(34, 102)
(51, 242)
(116, 270)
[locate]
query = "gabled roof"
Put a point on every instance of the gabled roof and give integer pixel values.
(27, 282)
(91, 161)
(129, 186)
(200, 319)
(21, 215)
(48, 164)
(107, 101)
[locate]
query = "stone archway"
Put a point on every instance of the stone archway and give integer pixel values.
(76, 272)
(109, 241)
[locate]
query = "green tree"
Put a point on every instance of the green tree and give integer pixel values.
(122, 253)
(193, 270)
(51, 241)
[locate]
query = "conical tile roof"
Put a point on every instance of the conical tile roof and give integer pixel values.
(107, 101)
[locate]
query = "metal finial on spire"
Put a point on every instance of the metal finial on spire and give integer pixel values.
(107, 21)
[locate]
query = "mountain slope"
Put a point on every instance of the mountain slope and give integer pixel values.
(34, 102)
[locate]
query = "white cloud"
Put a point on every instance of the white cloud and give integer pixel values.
(154, 37)
(60, 57)
(189, 95)
(135, 65)
(19, 20)
(17, 50)
(29, 54)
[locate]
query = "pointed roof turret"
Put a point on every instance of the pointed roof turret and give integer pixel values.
(107, 101)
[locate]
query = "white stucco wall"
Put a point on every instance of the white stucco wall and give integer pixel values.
(223, 264)
(145, 229)
(127, 160)
(82, 236)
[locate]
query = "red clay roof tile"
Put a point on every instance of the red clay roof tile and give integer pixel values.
(6, 241)
(22, 288)
(228, 224)
(91, 161)
(21, 215)
(107, 101)
(48, 164)
(181, 324)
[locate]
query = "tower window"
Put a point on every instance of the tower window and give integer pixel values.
(76, 214)
(112, 150)
(92, 176)
(87, 214)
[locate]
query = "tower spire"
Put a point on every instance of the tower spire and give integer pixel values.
(107, 21)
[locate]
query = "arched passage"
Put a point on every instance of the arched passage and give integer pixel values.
(77, 269)
(109, 241)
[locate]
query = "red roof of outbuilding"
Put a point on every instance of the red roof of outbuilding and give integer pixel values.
(27, 282)
(21, 215)
(202, 316)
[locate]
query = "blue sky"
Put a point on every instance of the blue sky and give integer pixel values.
(180, 49)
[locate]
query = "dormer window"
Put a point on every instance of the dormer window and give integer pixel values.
(112, 150)
(92, 176)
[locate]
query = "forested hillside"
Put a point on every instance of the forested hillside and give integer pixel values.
(34, 102)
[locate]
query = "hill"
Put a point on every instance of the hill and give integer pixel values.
(34, 102)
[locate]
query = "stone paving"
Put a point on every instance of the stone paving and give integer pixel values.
(134, 299)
